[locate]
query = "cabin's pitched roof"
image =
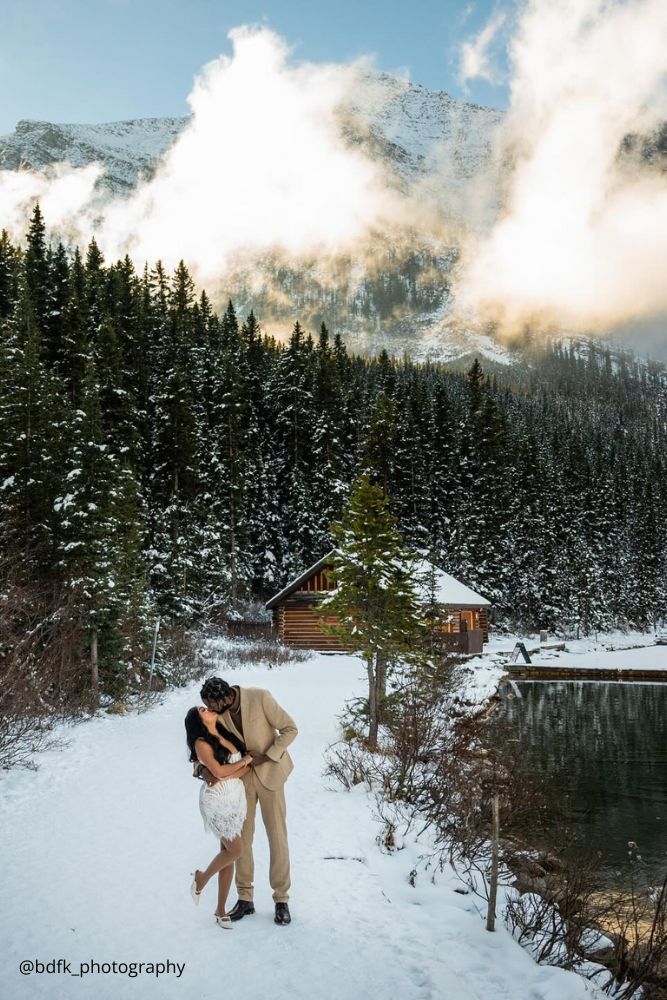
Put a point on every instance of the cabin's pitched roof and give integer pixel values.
(446, 589)
(296, 583)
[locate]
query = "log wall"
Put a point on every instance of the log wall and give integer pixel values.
(299, 626)
(484, 622)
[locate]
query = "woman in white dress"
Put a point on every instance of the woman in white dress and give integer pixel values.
(222, 801)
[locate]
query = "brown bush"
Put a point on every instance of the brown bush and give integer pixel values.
(262, 651)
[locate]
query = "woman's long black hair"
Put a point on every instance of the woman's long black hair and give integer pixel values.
(196, 730)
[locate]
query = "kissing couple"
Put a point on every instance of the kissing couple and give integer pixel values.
(237, 742)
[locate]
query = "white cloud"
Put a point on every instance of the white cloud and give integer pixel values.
(476, 61)
(260, 166)
(582, 238)
(64, 193)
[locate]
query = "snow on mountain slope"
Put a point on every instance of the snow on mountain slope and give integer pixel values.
(407, 126)
(420, 130)
(127, 149)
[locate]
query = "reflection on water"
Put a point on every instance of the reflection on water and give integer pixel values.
(602, 750)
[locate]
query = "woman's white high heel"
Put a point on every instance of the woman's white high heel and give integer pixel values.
(196, 896)
(224, 922)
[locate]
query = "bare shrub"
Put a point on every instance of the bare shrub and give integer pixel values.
(445, 779)
(230, 655)
(572, 924)
(45, 651)
(556, 915)
(181, 658)
(350, 763)
(430, 768)
(22, 738)
(42, 678)
(232, 613)
(636, 916)
(40, 652)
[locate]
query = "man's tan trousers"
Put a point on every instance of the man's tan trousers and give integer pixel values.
(274, 815)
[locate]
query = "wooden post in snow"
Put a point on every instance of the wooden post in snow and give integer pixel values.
(154, 650)
(493, 882)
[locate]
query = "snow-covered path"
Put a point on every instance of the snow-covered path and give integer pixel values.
(98, 844)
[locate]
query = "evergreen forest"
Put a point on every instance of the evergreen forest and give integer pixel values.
(159, 459)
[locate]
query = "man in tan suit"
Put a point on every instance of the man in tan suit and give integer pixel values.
(267, 730)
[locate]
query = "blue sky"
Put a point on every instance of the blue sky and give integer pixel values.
(100, 60)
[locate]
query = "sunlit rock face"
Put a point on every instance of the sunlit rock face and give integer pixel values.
(127, 150)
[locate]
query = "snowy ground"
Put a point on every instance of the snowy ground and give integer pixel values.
(626, 650)
(98, 845)
(626, 658)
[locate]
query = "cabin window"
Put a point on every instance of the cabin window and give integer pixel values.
(450, 621)
(469, 620)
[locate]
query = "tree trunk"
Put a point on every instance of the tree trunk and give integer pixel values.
(231, 455)
(372, 704)
(94, 669)
(380, 684)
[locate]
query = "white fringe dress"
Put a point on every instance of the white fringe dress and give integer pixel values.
(223, 805)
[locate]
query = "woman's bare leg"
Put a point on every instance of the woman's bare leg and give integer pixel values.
(231, 850)
(225, 877)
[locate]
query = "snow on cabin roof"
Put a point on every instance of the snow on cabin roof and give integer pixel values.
(447, 590)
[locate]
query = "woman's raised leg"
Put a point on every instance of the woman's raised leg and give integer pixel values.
(230, 851)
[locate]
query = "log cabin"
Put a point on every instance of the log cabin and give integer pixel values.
(462, 615)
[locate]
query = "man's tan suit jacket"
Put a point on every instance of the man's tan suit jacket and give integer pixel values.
(267, 729)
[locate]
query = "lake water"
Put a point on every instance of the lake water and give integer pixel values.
(602, 750)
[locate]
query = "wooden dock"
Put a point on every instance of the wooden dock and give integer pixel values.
(546, 672)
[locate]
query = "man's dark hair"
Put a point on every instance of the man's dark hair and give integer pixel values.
(215, 689)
